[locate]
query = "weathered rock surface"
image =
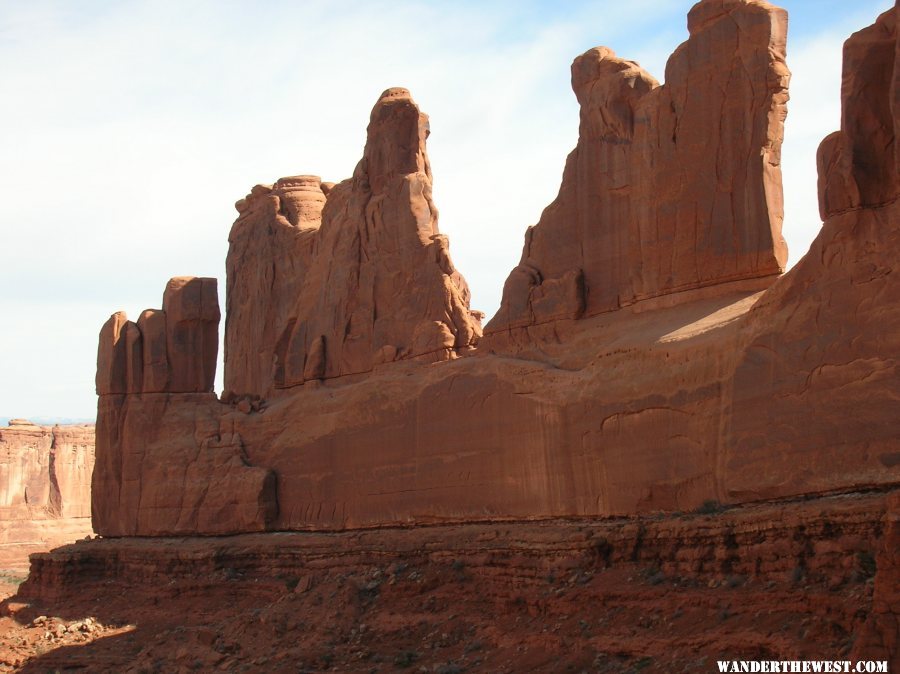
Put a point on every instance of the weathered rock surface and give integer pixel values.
(46, 471)
(271, 248)
(325, 287)
(880, 638)
(858, 164)
(176, 346)
(670, 187)
(45, 482)
(782, 581)
(167, 360)
(720, 391)
(651, 372)
(216, 490)
(826, 337)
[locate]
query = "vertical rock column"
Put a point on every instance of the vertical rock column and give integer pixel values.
(670, 187)
(380, 285)
(270, 249)
(824, 346)
(163, 464)
(178, 352)
(859, 166)
(192, 314)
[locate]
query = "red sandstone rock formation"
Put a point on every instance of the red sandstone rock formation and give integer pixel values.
(825, 338)
(321, 288)
(701, 387)
(881, 636)
(166, 360)
(381, 286)
(271, 247)
(201, 483)
(858, 165)
(176, 346)
(721, 392)
(771, 581)
(670, 187)
(45, 482)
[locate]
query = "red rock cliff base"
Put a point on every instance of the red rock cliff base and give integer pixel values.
(795, 580)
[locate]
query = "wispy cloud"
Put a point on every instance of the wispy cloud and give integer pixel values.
(130, 128)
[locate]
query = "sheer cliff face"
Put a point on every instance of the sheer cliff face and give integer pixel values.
(827, 335)
(653, 358)
(169, 350)
(670, 187)
(335, 286)
(167, 359)
(45, 488)
(270, 250)
(858, 165)
(323, 281)
(45, 472)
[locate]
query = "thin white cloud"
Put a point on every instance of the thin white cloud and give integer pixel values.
(129, 129)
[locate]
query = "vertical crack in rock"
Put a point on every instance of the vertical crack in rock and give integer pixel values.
(55, 501)
(45, 476)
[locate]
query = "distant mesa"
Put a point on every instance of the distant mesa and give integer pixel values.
(21, 422)
(50, 421)
(45, 488)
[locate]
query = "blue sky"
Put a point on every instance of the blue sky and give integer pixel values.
(130, 128)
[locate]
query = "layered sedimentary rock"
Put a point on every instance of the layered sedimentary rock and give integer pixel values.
(46, 471)
(670, 187)
(271, 247)
(881, 636)
(703, 386)
(774, 581)
(320, 288)
(45, 487)
(168, 359)
(176, 346)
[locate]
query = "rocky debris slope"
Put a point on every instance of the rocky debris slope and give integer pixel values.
(45, 488)
(792, 580)
(21, 642)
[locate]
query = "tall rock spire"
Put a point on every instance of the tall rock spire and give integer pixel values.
(372, 284)
(670, 187)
